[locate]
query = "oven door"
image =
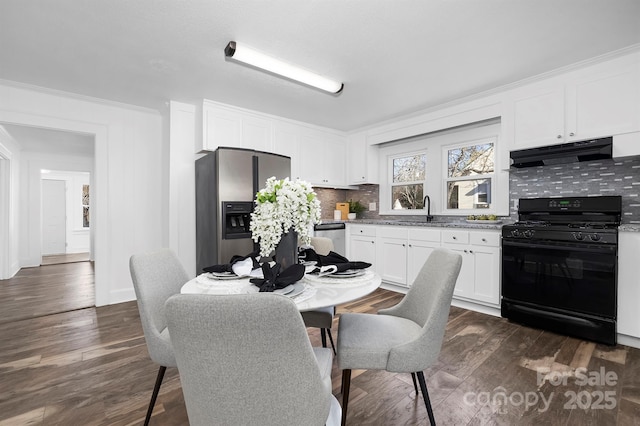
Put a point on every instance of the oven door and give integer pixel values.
(562, 275)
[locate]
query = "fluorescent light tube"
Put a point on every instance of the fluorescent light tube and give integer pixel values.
(243, 53)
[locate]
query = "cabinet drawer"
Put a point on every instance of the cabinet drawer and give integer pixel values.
(489, 239)
(431, 235)
(369, 231)
(455, 237)
(392, 232)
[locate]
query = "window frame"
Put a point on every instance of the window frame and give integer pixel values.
(492, 177)
(391, 184)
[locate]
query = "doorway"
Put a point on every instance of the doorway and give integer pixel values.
(66, 233)
(44, 221)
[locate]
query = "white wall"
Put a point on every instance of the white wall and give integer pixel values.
(9, 202)
(182, 188)
(131, 202)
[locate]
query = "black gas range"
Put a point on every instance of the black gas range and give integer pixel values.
(559, 265)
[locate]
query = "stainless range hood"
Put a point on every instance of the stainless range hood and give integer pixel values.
(595, 149)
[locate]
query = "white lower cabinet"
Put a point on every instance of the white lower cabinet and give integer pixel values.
(362, 244)
(399, 253)
(392, 254)
(421, 243)
(479, 278)
(628, 288)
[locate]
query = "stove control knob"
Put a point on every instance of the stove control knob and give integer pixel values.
(528, 233)
(578, 236)
(515, 233)
(595, 237)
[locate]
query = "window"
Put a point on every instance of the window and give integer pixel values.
(85, 206)
(407, 181)
(470, 173)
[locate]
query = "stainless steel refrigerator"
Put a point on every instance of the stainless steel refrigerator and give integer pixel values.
(226, 183)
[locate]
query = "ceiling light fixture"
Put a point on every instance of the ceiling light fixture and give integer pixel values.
(243, 53)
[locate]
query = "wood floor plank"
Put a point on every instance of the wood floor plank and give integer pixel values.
(91, 367)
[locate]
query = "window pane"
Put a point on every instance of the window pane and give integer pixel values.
(470, 160)
(469, 194)
(409, 169)
(407, 197)
(85, 206)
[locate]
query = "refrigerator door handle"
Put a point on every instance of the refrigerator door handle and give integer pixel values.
(256, 184)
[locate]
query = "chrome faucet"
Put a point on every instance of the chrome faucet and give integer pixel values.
(427, 202)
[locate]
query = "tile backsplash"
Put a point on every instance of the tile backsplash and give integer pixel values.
(588, 179)
(602, 177)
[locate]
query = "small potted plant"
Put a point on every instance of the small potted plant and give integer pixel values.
(355, 208)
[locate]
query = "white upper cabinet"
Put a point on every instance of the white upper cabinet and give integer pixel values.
(323, 159)
(286, 142)
(604, 104)
(538, 117)
(318, 155)
(362, 160)
(599, 101)
(220, 127)
(224, 125)
(256, 133)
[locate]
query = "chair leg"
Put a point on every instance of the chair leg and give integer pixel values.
(323, 336)
(154, 395)
(425, 395)
(331, 340)
(346, 384)
(415, 385)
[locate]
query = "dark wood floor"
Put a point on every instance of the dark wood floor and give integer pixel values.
(90, 367)
(55, 259)
(45, 290)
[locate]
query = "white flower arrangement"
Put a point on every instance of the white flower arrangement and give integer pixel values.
(280, 206)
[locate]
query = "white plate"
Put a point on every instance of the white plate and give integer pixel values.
(288, 289)
(488, 222)
(349, 273)
(223, 276)
(297, 289)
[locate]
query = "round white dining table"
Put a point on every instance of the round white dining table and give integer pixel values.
(312, 292)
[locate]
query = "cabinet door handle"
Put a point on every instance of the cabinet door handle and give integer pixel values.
(559, 136)
(484, 240)
(465, 250)
(455, 238)
(373, 242)
(403, 245)
(572, 134)
(471, 251)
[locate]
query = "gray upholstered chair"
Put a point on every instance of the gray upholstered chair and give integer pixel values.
(247, 360)
(321, 318)
(156, 276)
(407, 337)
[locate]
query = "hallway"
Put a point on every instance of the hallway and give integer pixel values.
(46, 290)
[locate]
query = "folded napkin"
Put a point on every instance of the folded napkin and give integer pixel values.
(340, 262)
(275, 279)
(239, 265)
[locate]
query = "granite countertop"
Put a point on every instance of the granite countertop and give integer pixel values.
(625, 227)
(424, 224)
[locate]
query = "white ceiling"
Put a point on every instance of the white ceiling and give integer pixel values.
(394, 56)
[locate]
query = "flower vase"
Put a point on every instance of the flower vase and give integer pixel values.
(286, 253)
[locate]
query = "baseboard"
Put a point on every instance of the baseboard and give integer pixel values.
(623, 339)
(455, 302)
(124, 295)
